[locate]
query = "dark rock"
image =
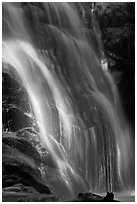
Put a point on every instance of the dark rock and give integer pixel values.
(91, 197)
(109, 196)
(25, 174)
(27, 197)
(23, 146)
(15, 102)
(21, 164)
(16, 173)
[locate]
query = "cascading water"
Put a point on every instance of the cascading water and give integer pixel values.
(74, 99)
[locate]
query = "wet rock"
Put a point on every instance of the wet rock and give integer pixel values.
(109, 196)
(26, 168)
(15, 103)
(15, 171)
(21, 165)
(19, 192)
(22, 145)
(91, 197)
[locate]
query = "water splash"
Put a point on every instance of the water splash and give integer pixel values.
(73, 96)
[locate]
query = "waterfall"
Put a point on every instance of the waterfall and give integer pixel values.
(73, 96)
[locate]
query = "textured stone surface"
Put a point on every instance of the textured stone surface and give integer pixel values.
(21, 168)
(15, 104)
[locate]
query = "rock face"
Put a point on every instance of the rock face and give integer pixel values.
(21, 158)
(15, 104)
(21, 169)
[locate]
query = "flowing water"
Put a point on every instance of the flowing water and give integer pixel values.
(73, 96)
